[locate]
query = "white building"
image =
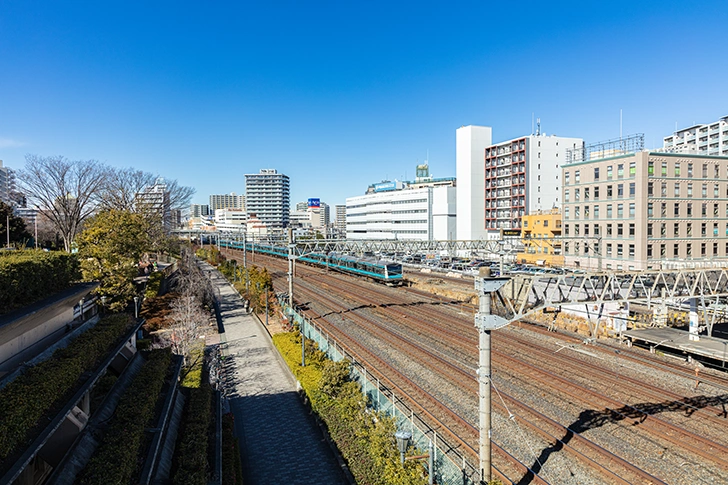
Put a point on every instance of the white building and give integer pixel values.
(425, 213)
(226, 201)
(198, 210)
(154, 199)
(230, 216)
(470, 144)
(268, 198)
(4, 184)
(710, 139)
(340, 221)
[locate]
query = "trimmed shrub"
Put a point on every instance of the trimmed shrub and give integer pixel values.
(191, 451)
(232, 469)
(40, 391)
(117, 458)
(29, 276)
(153, 284)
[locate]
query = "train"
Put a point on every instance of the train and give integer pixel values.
(387, 272)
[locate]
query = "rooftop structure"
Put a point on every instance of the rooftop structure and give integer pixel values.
(703, 139)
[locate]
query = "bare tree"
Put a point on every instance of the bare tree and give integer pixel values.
(67, 191)
(188, 317)
(122, 187)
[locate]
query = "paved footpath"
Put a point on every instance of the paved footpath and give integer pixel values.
(280, 443)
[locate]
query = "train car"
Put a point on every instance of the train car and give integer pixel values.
(386, 272)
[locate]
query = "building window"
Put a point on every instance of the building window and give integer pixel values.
(676, 211)
(650, 189)
(620, 190)
(576, 212)
(619, 251)
(650, 211)
(596, 212)
(609, 229)
(703, 209)
(609, 211)
(663, 229)
(677, 170)
(609, 172)
(702, 249)
(620, 211)
(620, 170)
(676, 229)
(586, 193)
(650, 168)
(566, 178)
(649, 230)
(702, 229)
(705, 191)
(689, 250)
(566, 195)
(631, 230)
(596, 229)
(663, 251)
(664, 169)
(631, 189)
(609, 249)
(690, 209)
(596, 193)
(705, 170)
(566, 213)
(690, 190)
(715, 229)
(716, 192)
(620, 230)
(631, 210)
(632, 169)
(586, 229)
(690, 170)
(546, 223)
(631, 250)
(596, 173)
(715, 249)
(609, 191)
(677, 189)
(577, 177)
(663, 189)
(716, 168)
(675, 250)
(715, 210)
(649, 251)
(577, 228)
(663, 209)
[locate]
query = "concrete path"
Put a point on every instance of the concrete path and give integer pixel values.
(280, 441)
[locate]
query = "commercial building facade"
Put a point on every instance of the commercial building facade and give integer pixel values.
(268, 197)
(646, 210)
(470, 144)
(426, 213)
(709, 139)
(541, 237)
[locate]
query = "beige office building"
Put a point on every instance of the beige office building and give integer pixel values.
(646, 210)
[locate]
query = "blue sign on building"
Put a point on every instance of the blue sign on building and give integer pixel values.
(314, 202)
(384, 186)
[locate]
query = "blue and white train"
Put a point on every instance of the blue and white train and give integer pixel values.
(383, 271)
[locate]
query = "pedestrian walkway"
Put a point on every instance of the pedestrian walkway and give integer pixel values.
(280, 442)
(673, 338)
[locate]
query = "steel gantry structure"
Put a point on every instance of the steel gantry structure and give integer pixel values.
(521, 296)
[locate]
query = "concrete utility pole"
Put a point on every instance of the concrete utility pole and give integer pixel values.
(485, 321)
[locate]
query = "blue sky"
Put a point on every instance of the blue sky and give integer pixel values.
(341, 94)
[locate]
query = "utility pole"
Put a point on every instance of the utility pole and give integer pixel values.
(485, 321)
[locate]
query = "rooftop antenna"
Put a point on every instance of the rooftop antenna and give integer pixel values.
(538, 126)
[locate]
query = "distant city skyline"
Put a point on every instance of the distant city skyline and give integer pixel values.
(339, 96)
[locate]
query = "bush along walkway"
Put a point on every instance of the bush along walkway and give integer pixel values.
(117, 461)
(365, 439)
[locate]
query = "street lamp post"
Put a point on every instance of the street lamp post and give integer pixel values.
(136, 307)
(103, 305)
(80, 306)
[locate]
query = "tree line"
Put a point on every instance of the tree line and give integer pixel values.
(69, 192)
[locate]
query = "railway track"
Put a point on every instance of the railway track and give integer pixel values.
(450, 348)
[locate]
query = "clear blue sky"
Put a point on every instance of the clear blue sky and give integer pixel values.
(341, 94)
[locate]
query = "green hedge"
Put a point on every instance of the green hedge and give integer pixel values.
(26, 402)
(365, 439)
(29, 276)
(232, 469)
(116, 460)
(154, 283)
(191, 452)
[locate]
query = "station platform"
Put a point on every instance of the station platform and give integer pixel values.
(679, 340)
(280, 441)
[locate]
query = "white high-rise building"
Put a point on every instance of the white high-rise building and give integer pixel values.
(268, 197)
(199, 210)
(710, 139)
(470, 145)
(4, 184)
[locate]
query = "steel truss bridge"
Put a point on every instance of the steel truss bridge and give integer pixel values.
(692, 290)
